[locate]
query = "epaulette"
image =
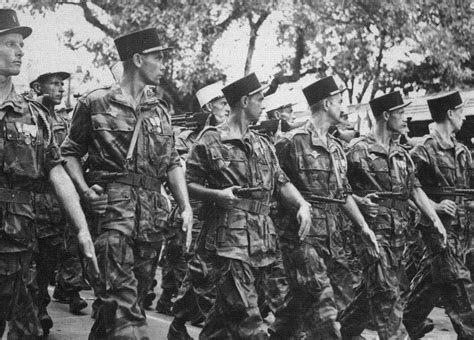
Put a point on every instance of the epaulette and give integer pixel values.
(206, 129)
(87, 94)
(293, 132)
(355, 141)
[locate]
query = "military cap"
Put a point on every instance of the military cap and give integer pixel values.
(388, 102)
(209, 93)
(320, 90)
(9, 23)
(439, 106)
(276, 101)
(61, 74)
(245, 86)
(144, 41)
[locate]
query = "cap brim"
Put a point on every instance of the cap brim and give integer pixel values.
(260, 89)
(333, 93)
(399, 106)
(23, 30)
(157, 49)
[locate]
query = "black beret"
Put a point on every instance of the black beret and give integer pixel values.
(9, 23)
(388, 102)
(439, 106)
(320, 90)
(245, 86)
(144, 41)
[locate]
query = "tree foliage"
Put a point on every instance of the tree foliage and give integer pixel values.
(352, 39)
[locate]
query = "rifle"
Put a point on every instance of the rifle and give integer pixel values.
(192, 120)
(448, 191)
(314, 199)
(386, 194)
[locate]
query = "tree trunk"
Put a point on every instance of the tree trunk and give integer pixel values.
(254, 27)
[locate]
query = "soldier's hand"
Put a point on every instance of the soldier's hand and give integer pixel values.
(96, 199)
(446, 207)
(371, 242)
(368, 207)
(304, 218)
(87, 248)
(438, 225)
(187, 217)
(469, 205)
(226, 197)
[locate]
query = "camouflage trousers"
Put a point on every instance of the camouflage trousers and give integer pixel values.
(316, 308)
(15, 299)
(236, 314)
(442, 276)
(127, 269)
(378, 295)
(70, 267)
(197, 293)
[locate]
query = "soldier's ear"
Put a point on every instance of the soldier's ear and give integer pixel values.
(37, 88)
(244, 101)
(386, 115)
(207, 107)
(450, 114)
(137, 59)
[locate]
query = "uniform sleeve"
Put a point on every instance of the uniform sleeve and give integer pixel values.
(77, 141)
(175, 160)
(52, 156)
(197, 165)
(280, 176)
(424, 172)
(286, 157)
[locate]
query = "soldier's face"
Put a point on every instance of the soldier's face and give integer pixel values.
(220, 109)
(287, 114)
(397, 121)
(11, 52)
(52, 88)
(152, 67)
(457, 119)
(254, 107)
(334, 108)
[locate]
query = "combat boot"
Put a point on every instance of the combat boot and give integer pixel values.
(178, 331)
(164, 303)
(77, 303)
(424, 328)
(61, 296)
(45, 321)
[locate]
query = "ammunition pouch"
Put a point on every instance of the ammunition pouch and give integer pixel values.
(253, 206)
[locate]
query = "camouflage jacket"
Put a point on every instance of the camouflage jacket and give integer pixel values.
(373, 167)
(102, 126)
(317, 168)
(442, 165)
(220, 161)
(29, 151)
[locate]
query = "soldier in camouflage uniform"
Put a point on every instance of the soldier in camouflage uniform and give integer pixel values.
(378, 163)
(214, 105)
(237, 229)
(127, 134)
(443, 165)
(50, 221)
(317, 268)
(30, 155)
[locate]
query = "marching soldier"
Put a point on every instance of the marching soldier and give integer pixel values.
(317, 268)
(197, 293)
(30, 155)
(127, 134)
(382, 177)
(444, 168)
(50, 221)
(237, 228)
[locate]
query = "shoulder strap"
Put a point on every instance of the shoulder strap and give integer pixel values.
(133, 142)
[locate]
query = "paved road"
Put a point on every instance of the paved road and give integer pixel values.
(76, 327)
